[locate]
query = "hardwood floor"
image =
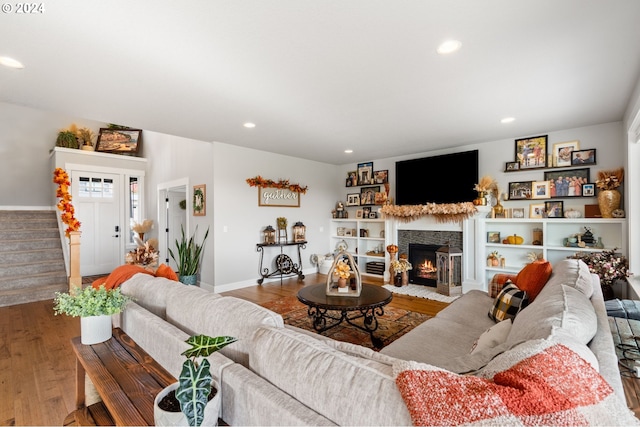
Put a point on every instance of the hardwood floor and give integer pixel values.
(272, 291)
(37, 364)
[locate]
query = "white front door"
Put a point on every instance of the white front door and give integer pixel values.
(96, 198)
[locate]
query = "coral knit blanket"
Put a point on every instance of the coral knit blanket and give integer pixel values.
(554, 387)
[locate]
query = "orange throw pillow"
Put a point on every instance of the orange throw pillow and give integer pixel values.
(533, 277)
(119, 276)
(165, 271)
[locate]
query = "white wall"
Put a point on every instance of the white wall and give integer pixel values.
(609, 139)
(26, 137)
(237, 210)
(171, 158)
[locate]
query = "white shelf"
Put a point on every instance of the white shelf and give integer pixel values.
(362, 245)
(613, 232)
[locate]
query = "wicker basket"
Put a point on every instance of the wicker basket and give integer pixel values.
(354, 283)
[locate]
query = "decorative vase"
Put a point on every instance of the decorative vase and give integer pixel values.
(608, 201)
(191, 279)
(392, 257)
(481, 200)
(342, 282)
(397, 280)
(141, 236)
(95, 329)
(498, 209)
(166, 418)
(404, 278)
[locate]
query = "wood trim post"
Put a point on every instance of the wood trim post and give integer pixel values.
(75, 280)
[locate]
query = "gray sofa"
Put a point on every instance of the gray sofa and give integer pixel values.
(280, 375)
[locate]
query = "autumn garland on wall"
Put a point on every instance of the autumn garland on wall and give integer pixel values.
(259, 181)
(61, 178)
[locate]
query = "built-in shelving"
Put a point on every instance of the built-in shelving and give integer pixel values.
(364, 240)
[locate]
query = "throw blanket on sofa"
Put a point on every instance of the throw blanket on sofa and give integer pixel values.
(124, 272)
(552, 387)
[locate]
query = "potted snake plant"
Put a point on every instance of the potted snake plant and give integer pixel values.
(189, 256)
(195, 398)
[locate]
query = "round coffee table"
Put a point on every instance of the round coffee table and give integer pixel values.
(367, 306)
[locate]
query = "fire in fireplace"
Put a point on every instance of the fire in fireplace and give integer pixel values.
(423, 259)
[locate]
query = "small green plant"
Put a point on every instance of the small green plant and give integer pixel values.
(90, 302)
(189, 253)
(195, 378)
(67, 139)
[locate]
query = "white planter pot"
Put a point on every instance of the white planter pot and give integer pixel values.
(95, 329)
(164, 418)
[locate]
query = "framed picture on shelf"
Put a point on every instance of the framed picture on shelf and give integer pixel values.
(536, 210)
(119, 141)
(562, 153)
(373, 215)
(381, 177)
(588, 190)
(352, 179)
(493, 237)
(520, 190)
(531, 153)
(365, 173)
(380, 198)
(583, 157)
(554, 209)
(512, 166)
(540, 190)
(359, 214)
(353, 199)
(517, 213)
(368, 195)
(567, 182)
(340, 231)
(365, 212)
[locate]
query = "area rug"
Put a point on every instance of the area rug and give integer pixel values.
(420, 292)
(392, 325)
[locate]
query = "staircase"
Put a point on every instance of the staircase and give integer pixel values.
(31, 260)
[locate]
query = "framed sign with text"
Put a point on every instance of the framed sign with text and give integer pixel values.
(283, 197)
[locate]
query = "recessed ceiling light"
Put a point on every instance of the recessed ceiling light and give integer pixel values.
(10, 62)
(249, 125)
(348, 151)
(508, 120)
(449, 46)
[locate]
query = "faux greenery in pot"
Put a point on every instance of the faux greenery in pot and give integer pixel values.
(195, 383)
(91, 302)
(189, 253)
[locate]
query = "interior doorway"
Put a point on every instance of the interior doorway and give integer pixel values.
(173, 208)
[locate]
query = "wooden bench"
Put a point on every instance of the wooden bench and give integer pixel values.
(126, 378)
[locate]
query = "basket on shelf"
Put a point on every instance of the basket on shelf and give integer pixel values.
(353, 282)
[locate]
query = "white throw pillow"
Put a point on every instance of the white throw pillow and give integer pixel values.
(495, 335)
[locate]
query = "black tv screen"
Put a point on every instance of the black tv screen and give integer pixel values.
(448, 178)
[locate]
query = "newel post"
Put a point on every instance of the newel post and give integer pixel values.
(75, 280)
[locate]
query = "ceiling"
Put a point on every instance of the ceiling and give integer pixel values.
(318, 77)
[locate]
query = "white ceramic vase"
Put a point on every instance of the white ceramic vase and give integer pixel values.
(95, 329)
(164, 418)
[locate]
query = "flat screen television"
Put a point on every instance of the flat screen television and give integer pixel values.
(448, 178)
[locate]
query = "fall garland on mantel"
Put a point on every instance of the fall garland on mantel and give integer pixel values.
(444, 212)
(259, 181)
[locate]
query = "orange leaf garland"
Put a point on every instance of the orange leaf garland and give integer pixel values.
(61, 178)
(259, 181)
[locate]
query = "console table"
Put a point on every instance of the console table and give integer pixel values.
(284, 264)
(125, 376)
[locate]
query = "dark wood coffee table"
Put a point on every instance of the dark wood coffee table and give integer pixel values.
(367, 306)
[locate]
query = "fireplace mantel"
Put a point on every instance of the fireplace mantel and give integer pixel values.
(473, 273)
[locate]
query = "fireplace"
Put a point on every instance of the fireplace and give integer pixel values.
(423, 259)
